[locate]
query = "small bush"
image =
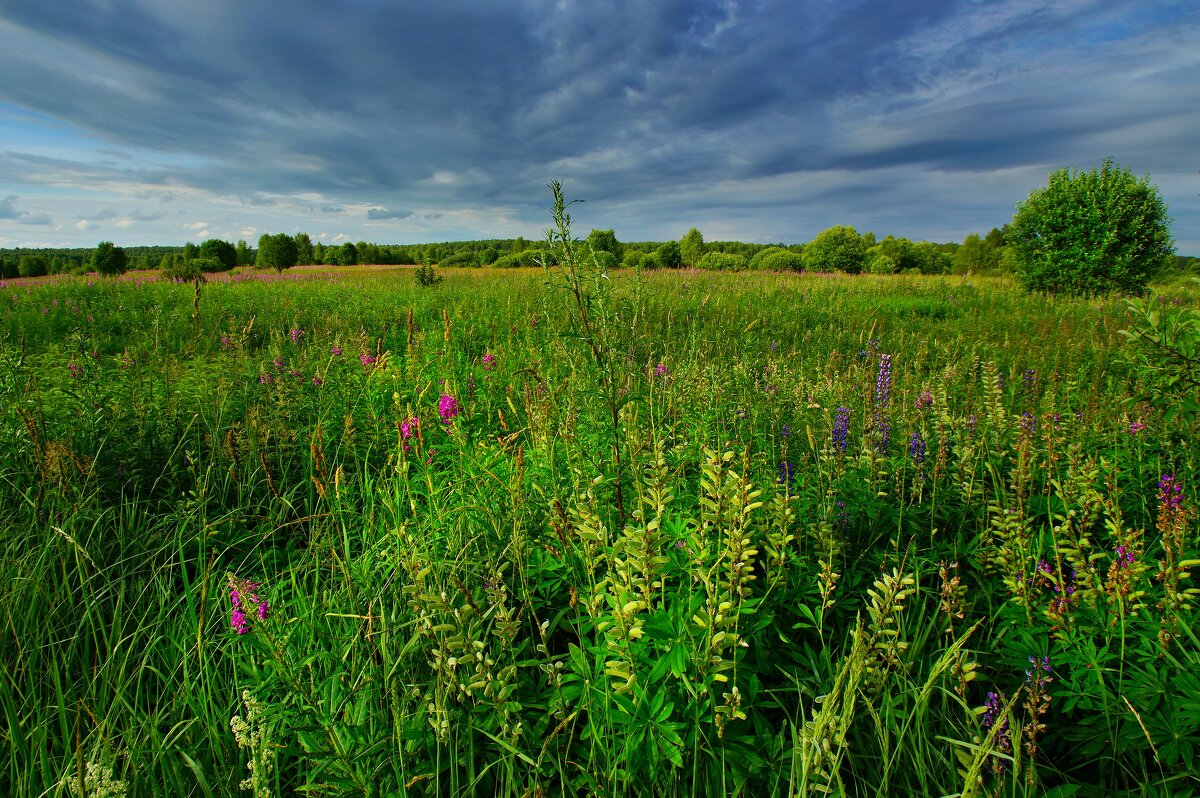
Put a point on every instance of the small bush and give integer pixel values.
(426, 276)
(722, 261)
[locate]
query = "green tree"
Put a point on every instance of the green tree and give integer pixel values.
(606, 241)
(108, 258)
(669, 254)
(976, 255)
(33, 266)
(221, 251)
(245, 256)
(691, 247)
(1090, 233)
(276, 252)
(837, 249)
(304, 249)
(347, 255)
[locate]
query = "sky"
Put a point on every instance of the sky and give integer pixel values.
(395, 121)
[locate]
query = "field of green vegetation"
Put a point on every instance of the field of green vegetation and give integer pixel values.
(525, 533)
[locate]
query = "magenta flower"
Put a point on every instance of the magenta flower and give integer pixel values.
(337, 350)
(408, 427)
(1136, 428)
(224, 342)
(489, 362)
(245, 604)
(661, 370)
(317, 381)
(448, 408)
(296, 333)
(367, 359)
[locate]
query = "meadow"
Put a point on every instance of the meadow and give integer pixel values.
(526, 533)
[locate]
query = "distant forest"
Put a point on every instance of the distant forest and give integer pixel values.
(837, 249)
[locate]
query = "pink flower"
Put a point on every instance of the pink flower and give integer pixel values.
(296, 333)
(337, 350)
(489, 362)
(367, 359)
(448, 408)
(408, 428)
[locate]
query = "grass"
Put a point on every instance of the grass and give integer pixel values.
(697, 592)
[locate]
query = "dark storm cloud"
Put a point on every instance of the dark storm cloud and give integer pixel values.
(469, 106)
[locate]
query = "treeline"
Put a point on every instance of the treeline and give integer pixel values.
(837, 249)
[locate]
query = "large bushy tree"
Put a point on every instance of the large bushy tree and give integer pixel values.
(276, 252)
(221, 251)
(1089, 233)
(108, 258)
(836, 249)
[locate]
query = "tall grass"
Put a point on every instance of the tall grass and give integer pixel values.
(649, 568)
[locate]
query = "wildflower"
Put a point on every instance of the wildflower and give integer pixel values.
(883, 381)
(224, 342)
(661, 370)
(408, 428)
(841, 426)
(367, 359)
(336, 350)
(265, 379)
(786, 431)
(245, 604)
(295, 334)
(924, 401)
(278, 363)
(1136, 428)
(916, 449)
(75, 369)
(787, 473)
(489, 362)
(448, 408)
(1170, 492)
(1028, 423)
(317, 381)
(993, 715)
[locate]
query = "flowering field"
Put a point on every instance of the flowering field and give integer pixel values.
(527, 534)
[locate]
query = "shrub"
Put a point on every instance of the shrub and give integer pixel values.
(837, 249)
(780, 260)
(1090, 233)
(426, 276)
(463, 258)
(669, 255)
(722, 261)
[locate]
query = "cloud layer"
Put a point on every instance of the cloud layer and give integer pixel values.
(753, 120)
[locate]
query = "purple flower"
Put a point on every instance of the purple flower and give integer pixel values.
(661, 370)
(787, 473)
(916, 449)
(336, 350)
(278, 363)
(841, 427)
(1028, 423)
(224, 342)
(883, 381)
(489, 362)
(1136, 427)
(786, 431)
(317, 381)
(1170, 492)
(367, 359)
(296, 333)
(75, 369)
(448, 408)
